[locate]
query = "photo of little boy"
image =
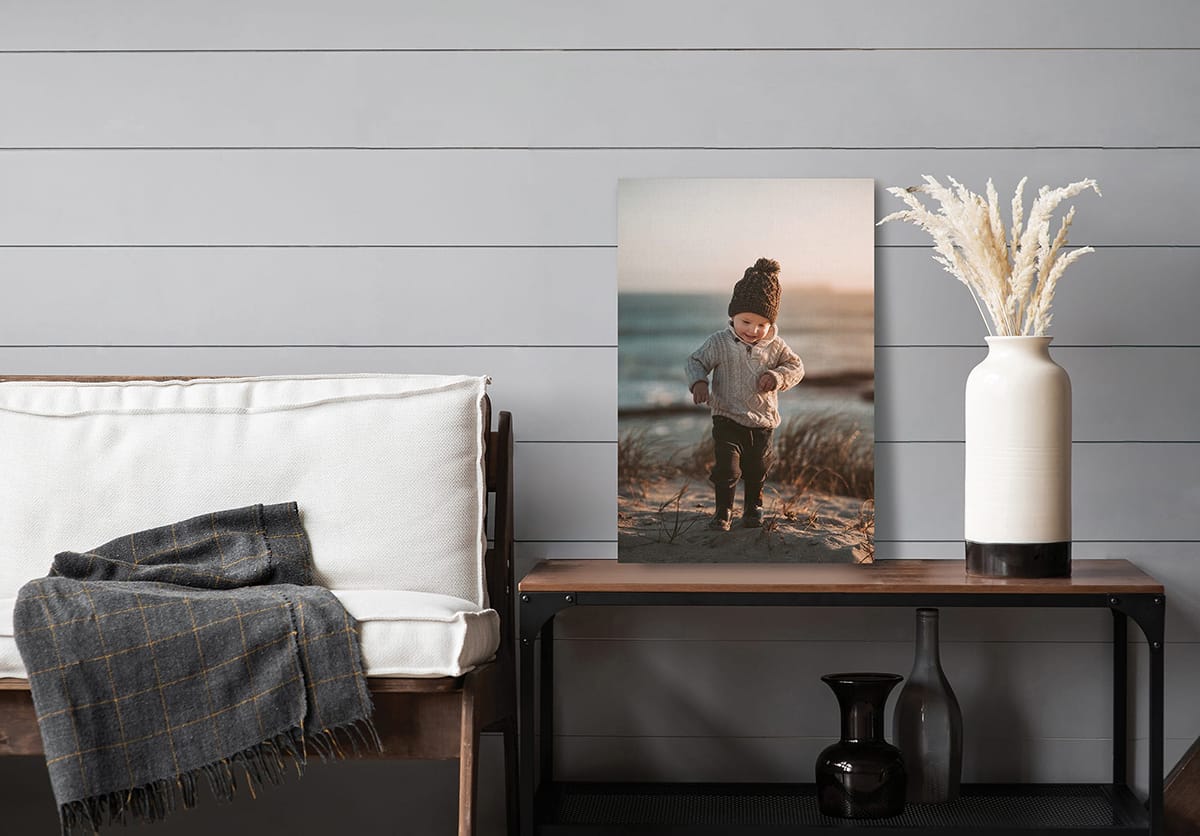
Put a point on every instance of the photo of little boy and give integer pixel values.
(750, 364)
(781, 269)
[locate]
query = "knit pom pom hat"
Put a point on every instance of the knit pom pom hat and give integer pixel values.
(758, 291)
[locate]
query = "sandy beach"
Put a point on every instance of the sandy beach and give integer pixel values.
(670, 525)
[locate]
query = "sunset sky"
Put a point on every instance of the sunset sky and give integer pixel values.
(699, 235)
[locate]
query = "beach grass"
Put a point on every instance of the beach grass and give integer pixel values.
(822, 453)
(825, 453)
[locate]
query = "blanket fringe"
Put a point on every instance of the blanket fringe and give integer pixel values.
(263, 763)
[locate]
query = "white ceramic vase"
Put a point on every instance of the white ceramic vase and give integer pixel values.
(1017, 519)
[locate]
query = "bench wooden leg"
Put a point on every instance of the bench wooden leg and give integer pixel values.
(468, 765)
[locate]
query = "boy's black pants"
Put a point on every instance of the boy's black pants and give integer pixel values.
(740, 452)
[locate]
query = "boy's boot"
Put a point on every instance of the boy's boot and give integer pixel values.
(752, 511)
(723, 516)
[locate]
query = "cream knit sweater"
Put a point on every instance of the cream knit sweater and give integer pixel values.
(736, 367)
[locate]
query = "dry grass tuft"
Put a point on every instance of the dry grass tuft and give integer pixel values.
(637, 462)
(864, 527)
(673, 522)
(823, 453)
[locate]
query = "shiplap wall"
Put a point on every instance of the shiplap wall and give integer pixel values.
(265, 186)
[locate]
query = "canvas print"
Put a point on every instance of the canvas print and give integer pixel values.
(746, 374)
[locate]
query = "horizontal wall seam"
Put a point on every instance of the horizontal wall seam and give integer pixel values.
(312, 246)
(573, 347)
(493, 246)
(556, 346)
(1188, 147)
(630, 50)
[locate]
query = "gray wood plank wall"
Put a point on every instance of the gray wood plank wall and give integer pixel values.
(276, 187)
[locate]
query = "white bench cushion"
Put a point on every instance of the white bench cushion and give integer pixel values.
(10, 660)
(420, 633)
(387, 470)
(402, 633)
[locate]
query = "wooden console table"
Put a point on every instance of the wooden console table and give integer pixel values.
(553, 807)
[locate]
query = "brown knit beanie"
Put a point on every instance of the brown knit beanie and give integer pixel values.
(758, 291)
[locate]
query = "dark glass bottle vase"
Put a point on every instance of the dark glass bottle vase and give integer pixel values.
(927, 725)
(862, 775)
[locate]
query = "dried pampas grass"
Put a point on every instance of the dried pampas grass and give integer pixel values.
(1013, 278)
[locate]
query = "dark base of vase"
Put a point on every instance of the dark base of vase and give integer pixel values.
(879, 795)
(861, 780)
(1019, 560)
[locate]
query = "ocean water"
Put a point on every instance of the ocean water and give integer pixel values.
(834, 334)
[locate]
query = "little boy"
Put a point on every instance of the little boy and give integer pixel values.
(750, 365)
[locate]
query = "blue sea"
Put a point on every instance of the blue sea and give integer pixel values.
(833, 332)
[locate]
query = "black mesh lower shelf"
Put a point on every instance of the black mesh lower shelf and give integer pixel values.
(616, 808)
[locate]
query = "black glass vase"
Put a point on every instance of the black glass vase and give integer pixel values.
(862, 775)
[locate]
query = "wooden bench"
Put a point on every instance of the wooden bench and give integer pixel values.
(417, 718)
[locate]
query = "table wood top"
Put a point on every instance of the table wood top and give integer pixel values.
(1088, 577)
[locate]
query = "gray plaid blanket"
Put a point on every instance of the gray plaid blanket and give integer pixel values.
(196, 648)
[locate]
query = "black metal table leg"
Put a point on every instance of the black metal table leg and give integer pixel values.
(1156, 738)
(1120, 675)
(1149, 612)
(546, 703)
(536, 617)
(526, 766)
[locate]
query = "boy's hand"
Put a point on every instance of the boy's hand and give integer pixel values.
(700, 392)
(766, 382)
